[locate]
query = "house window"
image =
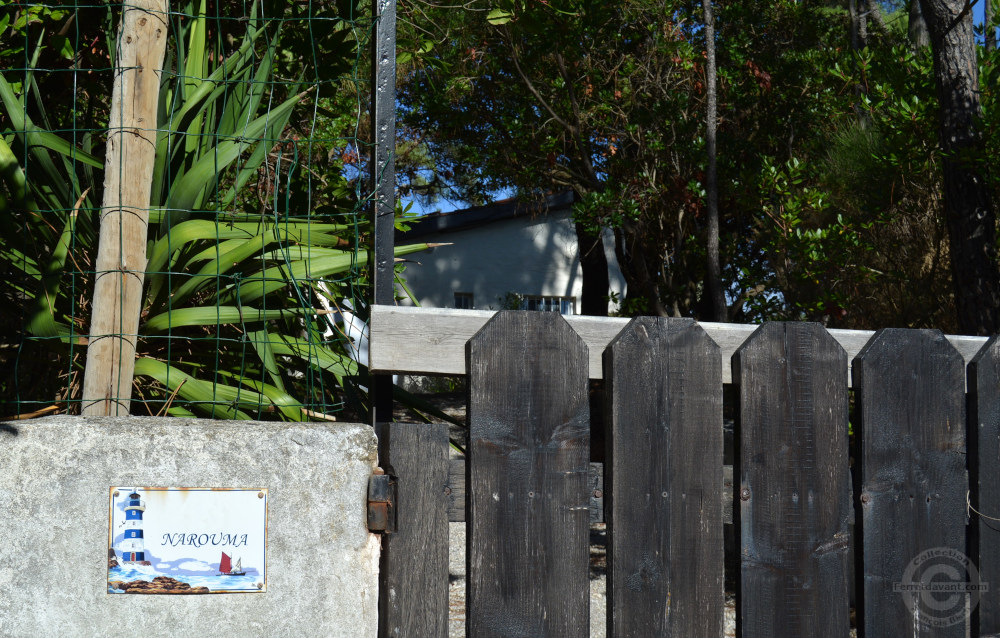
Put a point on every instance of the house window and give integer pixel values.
(562, 305)
(463, 300)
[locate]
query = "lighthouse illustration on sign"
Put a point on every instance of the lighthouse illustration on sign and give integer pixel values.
(132, 547)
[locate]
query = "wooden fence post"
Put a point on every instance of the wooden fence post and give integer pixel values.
(528, 508)
(910, 391)
(794, 490)
(663, 490)
(128, 170)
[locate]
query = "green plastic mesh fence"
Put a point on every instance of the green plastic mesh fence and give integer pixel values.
(254, 286)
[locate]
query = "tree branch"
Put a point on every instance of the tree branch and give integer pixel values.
(538, 96)
(581, 145)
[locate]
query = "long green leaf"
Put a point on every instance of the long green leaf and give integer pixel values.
(206, 397)
(12, 175)
(261, 341)
(231, 258)
(212, 316)
(187, 191)
(307, 268)
(315, 354)
(43, 321)
(194, 106)
(195, 230)
(195, 67)
(284, 402)
(22, 124)
(245, 101)
(176, 238)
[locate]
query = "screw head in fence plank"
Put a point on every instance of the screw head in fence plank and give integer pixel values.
(664, 496)
(527, 487)
(792, 462)
(909, 389)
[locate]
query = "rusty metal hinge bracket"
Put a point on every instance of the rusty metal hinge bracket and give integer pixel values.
(381, 502)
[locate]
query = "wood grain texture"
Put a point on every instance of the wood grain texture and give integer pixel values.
(665, 543)
(984, 479)
(911, 426)
(794, 483)
(432, 340)
(121, 253)
(413, 568)
(528, 503)
(595, 482)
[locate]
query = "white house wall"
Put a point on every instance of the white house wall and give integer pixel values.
(524, 255)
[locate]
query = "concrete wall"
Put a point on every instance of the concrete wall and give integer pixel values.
(322, 564)
(528, 256)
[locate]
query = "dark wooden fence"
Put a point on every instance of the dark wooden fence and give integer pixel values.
(818, 513)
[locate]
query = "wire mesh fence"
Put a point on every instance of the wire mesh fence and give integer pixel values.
(251, 300)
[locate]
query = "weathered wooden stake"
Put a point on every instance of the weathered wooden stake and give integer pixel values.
(128, 172)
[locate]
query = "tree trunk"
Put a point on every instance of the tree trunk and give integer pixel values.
(121, 253)
(852, 14)
(917, 30)
(642, 291)
(874, 12)
(991, 31)
(716, 292)
(594, 268)
(967, 206)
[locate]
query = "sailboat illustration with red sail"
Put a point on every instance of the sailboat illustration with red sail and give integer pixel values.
(227, 568)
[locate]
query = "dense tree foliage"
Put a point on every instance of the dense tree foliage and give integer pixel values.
(831, 176)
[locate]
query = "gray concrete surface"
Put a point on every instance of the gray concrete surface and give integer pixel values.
(55, 475)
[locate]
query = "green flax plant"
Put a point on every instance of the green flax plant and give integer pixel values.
(243, 281)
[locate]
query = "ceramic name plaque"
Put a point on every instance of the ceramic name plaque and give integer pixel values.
(182, 540)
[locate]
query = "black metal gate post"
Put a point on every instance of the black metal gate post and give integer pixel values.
(383, 180)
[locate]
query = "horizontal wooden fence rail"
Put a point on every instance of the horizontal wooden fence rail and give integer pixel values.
(892, 517)
(407, 340)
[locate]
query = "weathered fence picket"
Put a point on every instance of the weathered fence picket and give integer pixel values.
(794, 482)
(529, 491)
(413, 597)
(664, 515)
(910, 392)
(984, 454)
(528, 459)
